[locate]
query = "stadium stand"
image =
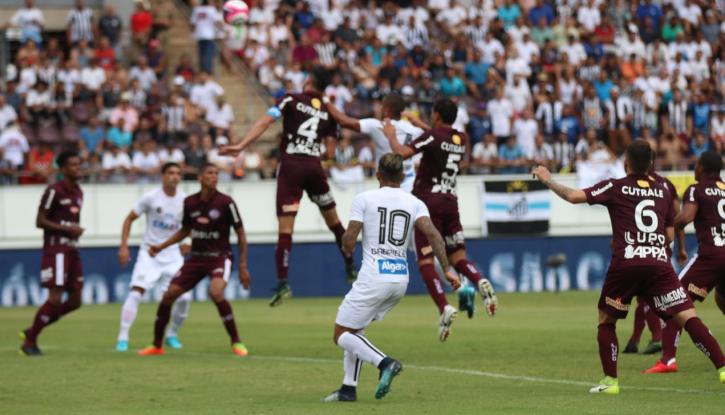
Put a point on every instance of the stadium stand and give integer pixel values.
(537, 82)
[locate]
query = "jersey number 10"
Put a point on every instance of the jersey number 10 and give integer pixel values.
(387, 226)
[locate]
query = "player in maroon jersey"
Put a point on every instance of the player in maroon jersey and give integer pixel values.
(307, 125)
(59, 217)
(644, 312)
(704, 203)
(443, 149)
(207, 217)
(642, 219)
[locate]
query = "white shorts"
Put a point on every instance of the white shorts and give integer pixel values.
(149, 272)
(367, 302)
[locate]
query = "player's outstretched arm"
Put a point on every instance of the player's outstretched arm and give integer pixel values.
(415, 120)
(567, 193)
(349, 238)
(343, 119)
(686, 215)
(174, 239)
(123, 254)
(425, 225)
(389, 132)
(244, 278)
(257, 130)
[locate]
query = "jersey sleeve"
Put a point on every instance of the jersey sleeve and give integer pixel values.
(690, 195)
(421, 211)
(601, 193)
(369, 125)
(277, 110)
(424, 140)
(357, 212)
(48, 199)
(142, 205)
(236, 218)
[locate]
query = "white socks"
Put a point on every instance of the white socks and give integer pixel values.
(179, 313)
(361, 347)
(128, 313)
(352, 366)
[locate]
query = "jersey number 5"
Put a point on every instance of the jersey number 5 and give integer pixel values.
(387, 226)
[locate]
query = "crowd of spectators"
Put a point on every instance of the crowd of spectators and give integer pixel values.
(124, 107)
(537, 82)
(552, 82)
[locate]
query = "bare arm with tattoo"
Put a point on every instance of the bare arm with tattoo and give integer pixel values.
(567, 193)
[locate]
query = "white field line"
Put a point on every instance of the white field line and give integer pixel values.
(467, 372)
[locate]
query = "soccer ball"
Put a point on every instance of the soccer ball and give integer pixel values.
(236, 12)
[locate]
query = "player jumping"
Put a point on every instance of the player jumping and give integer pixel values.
(61, 270)
(443, 149)
(306, 123)
(386, 217)
(207, 217)
(704, 203)
(642, 219)
(163, 208)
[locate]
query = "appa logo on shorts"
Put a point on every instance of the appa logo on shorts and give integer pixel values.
(203, 220)
(46, 274)
(214, 214)
(616, 303)
(701, 292)
(393, 266)
(316, 103)
(456, 139)
(643, 183)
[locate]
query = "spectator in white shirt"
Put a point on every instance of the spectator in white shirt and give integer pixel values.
(171, 153)
(93, 76)
(574, 51)
(146, 163)
(30, 21)
(589, 16)
(331, 17)
(7, 114)
(389, 33)
(338, 93)
(516, 65)
(144, 73)
(525, 129)
(220, 117)
(485, 155)
(527, 48)
(296, 77)
(501, 111)
(543, 153)
(203, 94)
(14, 145)
(39, 102)
(205, 21)
(116, 165)
(631, 44)
(490, 49)
(690, 12)
(452, 17)
(518, 93)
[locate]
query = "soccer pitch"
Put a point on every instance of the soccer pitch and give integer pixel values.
(538, 356)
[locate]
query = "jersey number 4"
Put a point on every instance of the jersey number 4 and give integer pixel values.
(387, 226)
(308, 129)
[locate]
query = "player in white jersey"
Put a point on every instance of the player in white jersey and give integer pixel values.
(393, 107)
(163, 208)
(386, 217)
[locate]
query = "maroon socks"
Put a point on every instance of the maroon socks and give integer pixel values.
(467, 269)
(434, 286)
(162, 319)
(608, 348)
(227, 316)
(705, 341)
(281, 255)
(670, 341)
(339, 230)
(46, 315)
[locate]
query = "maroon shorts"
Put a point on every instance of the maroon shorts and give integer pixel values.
(61, 268)
(658, 286)
(196, 269)
(298, 175)
(702, 274)
(443, 211)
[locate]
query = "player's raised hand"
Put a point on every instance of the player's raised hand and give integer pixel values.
(541, 173)
(244, 278)
(388, 128)
(123, 255)
(154, 250)
(453, 280)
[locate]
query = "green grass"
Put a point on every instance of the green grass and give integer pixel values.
(293, 363)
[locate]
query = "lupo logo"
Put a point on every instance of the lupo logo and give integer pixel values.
(393, 266)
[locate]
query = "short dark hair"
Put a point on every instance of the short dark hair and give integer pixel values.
(64, 156)
(390, 167)
(321, 78)
(639, 156)
(395, 103)
(169, 165)
(711, 162)
(447, 109)
(205, 166)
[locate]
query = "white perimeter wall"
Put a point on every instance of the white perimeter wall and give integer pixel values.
(105, 207)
